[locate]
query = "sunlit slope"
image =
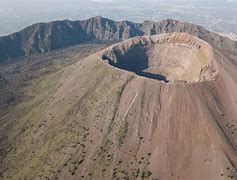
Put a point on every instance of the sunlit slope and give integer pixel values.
(95, 121)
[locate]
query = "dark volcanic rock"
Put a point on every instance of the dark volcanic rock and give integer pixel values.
(45, 37)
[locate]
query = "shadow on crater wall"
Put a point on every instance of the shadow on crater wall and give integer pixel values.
(135, 60)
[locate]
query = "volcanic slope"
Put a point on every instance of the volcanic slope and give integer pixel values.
(154, 117)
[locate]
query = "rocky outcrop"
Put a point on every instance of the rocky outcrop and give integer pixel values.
(45, 37)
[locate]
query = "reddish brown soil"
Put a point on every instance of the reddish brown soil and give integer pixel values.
(171, 130)
(105, 122)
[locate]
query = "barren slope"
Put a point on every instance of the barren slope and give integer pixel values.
(102, 122)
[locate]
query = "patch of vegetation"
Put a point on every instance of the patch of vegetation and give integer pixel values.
(122, 132)
(27, 86)
(177, 85)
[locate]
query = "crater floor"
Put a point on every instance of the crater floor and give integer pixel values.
(166, 57)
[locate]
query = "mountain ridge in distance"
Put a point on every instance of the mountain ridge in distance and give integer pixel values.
(45, 37)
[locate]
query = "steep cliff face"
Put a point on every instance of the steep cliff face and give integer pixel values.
(45, 37)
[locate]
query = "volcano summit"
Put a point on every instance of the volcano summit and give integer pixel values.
(168, 57)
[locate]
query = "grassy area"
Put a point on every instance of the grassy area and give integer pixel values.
(122, 132)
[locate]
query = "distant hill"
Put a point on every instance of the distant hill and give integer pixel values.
(45, 37)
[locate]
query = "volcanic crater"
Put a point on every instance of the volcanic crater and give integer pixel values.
(172, 57)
